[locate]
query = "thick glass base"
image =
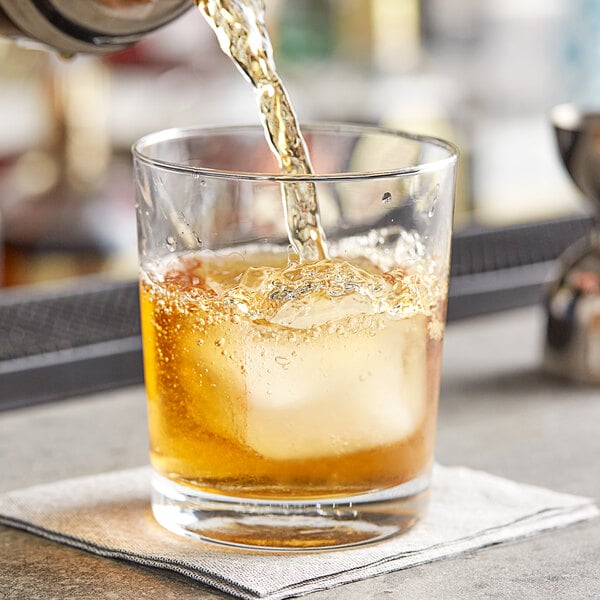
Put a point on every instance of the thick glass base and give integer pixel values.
(297, 525)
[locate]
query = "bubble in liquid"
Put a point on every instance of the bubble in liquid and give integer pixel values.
(171, 243)
(203, 183)
(284, 361)
(386, 198)
(220, 342)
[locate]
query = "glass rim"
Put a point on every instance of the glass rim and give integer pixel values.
(176, 133)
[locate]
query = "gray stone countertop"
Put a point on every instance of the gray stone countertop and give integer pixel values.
(498, 412)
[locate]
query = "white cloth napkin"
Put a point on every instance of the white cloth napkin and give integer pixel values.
(110, 515)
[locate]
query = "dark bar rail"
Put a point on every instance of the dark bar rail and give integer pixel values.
(56, 344)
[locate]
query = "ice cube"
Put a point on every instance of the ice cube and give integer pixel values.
(320, 308)
(336, 394)
(212, 373)
(306, 295)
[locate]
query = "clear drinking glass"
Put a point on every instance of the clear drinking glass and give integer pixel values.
(292, 405)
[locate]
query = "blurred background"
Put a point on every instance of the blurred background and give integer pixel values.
(481, 73)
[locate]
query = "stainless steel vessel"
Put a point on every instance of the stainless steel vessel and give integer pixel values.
(90, 26)
(573, 299)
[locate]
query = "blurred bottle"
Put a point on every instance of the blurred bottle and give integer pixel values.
(396, 35)
(354, 32)
(305, 30)
(49, 188)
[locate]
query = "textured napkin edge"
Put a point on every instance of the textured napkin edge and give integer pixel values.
(561, 509)
(211, 580)
(544, 521)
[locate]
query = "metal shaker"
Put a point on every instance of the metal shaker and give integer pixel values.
(88, 26)
(572, 301)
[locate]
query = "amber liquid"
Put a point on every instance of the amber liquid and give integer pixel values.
(240, 28)
(288, 394)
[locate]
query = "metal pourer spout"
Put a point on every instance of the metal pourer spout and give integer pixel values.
(86, 26)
